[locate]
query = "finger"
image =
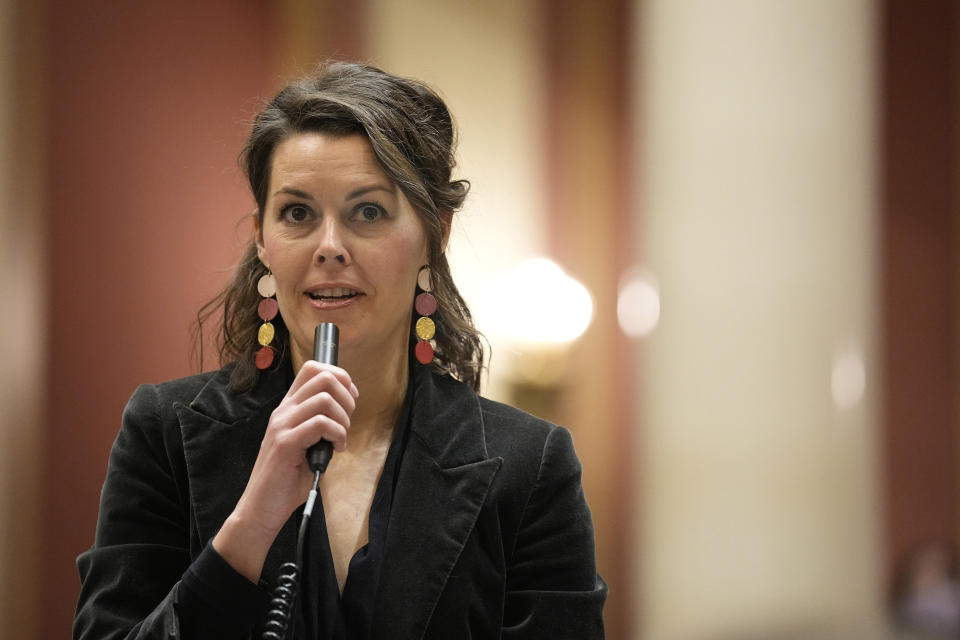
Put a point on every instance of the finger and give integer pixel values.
(330, 383)
(310, 369)
(315, 377)
(315, 429)
(336, 403)
(323, 403)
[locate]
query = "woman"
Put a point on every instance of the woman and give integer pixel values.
(441, 514)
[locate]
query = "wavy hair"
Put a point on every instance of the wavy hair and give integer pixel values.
(413, 137)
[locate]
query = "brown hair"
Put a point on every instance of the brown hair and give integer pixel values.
(412, 135)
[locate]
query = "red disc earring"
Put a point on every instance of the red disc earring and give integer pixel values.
(267, 310)
(425, 328)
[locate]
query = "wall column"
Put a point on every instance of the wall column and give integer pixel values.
(759, 480)
(919, 253)
(22, 290)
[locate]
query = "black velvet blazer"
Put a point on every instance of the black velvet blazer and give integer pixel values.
(489, 533)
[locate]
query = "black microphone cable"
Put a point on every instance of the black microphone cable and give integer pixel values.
(288, 582)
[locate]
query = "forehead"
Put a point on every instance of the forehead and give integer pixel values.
(314, 155)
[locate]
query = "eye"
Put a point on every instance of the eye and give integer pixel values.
(295, 213)
(370, 212)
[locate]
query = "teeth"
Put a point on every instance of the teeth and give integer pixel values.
(337, 292)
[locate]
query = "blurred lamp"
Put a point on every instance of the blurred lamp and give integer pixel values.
(848, 380)
(638, 303)
(537, 310)
(537, 303)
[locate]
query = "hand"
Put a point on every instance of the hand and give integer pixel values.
(317, 406)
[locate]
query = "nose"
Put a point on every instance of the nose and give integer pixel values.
(331, 246)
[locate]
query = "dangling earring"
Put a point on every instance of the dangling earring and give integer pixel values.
(267, 310)
(426, 305)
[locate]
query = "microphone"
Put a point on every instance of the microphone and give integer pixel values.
(326, 346)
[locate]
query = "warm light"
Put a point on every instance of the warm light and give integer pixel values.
(849, 379)
(638, 303)
(537, 302)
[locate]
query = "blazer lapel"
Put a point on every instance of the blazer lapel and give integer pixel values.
(443, 482)
(221, 434)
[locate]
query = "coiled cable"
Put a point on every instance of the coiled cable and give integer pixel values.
(288, 582)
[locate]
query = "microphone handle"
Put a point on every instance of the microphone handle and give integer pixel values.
(326, 344)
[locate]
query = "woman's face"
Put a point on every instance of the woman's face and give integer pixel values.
(343, 243)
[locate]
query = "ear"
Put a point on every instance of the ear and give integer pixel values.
(258, 239)
(446, 221)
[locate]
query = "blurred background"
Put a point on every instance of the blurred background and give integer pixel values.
(716, 239)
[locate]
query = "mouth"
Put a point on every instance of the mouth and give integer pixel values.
(333, 294)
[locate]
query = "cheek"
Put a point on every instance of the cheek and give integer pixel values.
(283, 257)
(418, 246)
(412, 253)
(398, 265)
(272, 242)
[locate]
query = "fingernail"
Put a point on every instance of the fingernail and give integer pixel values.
(354, 390)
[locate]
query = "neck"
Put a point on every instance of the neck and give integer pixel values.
(382, 387)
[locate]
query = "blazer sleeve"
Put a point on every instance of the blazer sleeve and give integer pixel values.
(553, 590)
(138, 581)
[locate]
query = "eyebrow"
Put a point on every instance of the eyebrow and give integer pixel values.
(362, 191)
(365, 190)
(294, 192)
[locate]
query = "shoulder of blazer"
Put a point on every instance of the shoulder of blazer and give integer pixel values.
(516, 436)
(458, 427)
(209, 394)
(447, 413)
(507, 422)
(521, 439)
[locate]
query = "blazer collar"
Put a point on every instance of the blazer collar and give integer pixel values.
(217, 402)
(446, 419)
